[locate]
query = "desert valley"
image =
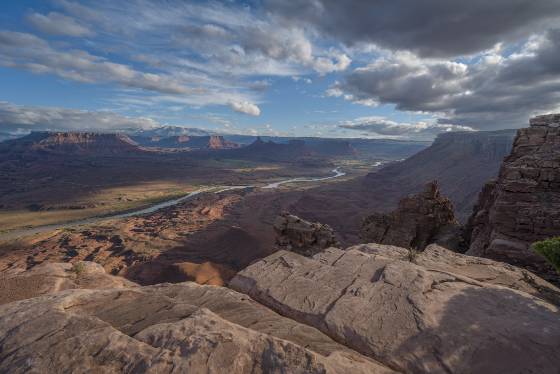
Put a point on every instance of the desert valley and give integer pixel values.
(273, 187)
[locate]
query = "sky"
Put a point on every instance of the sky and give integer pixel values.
(396, 69)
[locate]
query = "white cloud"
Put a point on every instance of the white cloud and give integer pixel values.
(58, 24)
(376, 126)
(245, 107)
(491, 90)
(18, 119)
(32, 53)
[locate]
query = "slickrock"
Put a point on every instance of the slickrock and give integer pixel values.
(523, 205)
(164, 329)
(437, 258)
(445, 314)
(18, 284)
(419, 220)
(306, 238)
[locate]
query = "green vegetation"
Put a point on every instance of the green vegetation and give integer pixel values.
(549, 249)
(78, 268)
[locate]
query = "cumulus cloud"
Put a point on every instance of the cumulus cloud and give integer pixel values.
(382, 127)
(15, 119)
(430, 28)
(496, 90)
(245, 107)
(58, 24)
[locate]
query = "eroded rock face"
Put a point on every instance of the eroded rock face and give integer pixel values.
(523, 205)
(438, 312)
(181, 328)
(298, 235)
(419, 220)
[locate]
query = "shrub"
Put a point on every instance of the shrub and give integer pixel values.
(78, 268)
(549, 249)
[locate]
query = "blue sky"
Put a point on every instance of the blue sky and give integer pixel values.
(298, 68)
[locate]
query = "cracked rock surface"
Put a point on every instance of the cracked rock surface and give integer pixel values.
(179, 328)
(437, 312)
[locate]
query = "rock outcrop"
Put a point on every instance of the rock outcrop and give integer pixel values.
(298, 235)
(523, 205)
(419, 220)
(164, 329)
(18, 284)
(439, 313)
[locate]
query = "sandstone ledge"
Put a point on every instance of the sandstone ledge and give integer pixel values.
(431, 316)
(164, 329)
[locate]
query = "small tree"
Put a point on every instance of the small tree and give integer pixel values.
(549, 249)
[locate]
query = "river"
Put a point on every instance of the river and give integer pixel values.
(218, 189)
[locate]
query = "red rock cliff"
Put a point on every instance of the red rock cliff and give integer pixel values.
(523, 205)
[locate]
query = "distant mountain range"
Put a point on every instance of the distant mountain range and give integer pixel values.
(196, 139)
(293, 150)
(373, 148)
(169, 131)
(186, 142)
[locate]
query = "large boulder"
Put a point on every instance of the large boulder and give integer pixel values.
(523, 205)
(298, 235)
(419, 220)
(168, 328)
(434, 312)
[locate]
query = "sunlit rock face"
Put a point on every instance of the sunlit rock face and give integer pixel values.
(434, 312)
(86, 321)
(523, 205)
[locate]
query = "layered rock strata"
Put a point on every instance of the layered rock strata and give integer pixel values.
(523, 205)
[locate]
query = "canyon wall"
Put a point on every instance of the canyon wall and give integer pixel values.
(523, 205)
(460, 161)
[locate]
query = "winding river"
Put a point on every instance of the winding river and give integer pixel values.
(218, 189)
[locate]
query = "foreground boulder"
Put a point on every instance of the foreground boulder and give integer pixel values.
(419, 220)
(523, 205)
(437, 312)
(180, 328)
(298, 235)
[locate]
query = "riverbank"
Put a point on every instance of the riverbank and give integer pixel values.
(15, 234)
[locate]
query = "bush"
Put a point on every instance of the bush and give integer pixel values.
(549, 249)
(78, 268)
